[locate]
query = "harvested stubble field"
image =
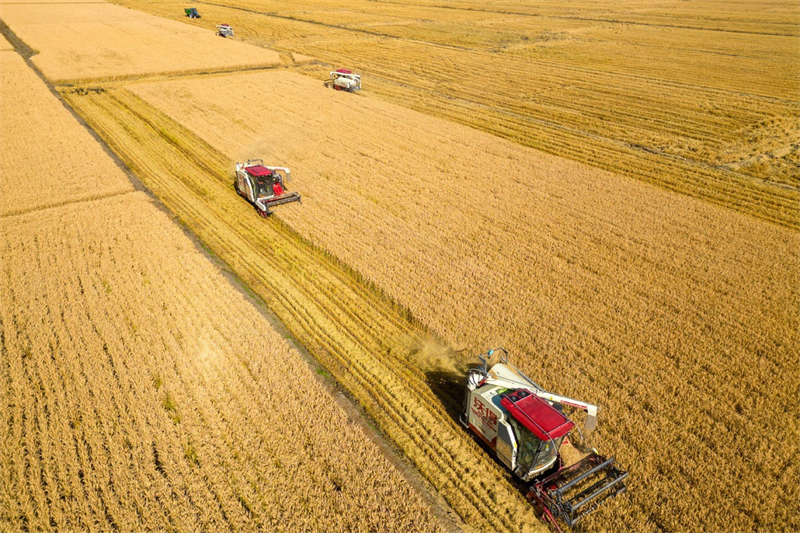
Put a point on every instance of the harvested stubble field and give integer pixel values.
(47, 159)
(78, 41)
(139, 390)
(696, 97)
(678, 317)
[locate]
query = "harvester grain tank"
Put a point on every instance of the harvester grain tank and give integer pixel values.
(344, 80)
(263, 186)
(526, 428)
(192, 13)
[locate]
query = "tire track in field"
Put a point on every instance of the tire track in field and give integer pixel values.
(359, 335)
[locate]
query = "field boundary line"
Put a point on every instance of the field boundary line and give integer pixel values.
(55, 205)
(163, 75)
(575, 17)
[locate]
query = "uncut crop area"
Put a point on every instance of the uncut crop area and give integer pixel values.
(129, 401)
(46, 159)
(676, 316)
(695, 97)
(139, 390)
(91, 40)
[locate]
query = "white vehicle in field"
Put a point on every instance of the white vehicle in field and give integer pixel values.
(344, 80)
(526, 428)
(224, 30)
(264, 187)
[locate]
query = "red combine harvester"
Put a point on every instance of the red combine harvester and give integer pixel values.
(264, 187)
(526, 428)
(344, 80)
(224, 30)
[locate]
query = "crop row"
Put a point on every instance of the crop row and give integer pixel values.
(139, 390)
(363, 339)
(670, 313)
(718, 123)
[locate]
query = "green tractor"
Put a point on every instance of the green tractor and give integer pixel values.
(192, 13)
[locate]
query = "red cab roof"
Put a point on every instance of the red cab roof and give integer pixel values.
(258, 170)
(536, 414)
(344, 71)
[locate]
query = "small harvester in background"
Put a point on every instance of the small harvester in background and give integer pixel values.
(264, 187)
(224, 30)
(525, 427)
(192, 13)
(344, 80)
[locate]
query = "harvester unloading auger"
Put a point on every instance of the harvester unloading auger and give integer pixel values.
(526, 428)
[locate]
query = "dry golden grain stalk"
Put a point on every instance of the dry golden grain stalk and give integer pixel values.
(366, 341)
(699, 103)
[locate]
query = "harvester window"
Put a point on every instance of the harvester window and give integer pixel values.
(265, 185)
(533, 453)
(528, 445)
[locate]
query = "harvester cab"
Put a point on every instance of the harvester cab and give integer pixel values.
(526, 428)
(224, 30)
(192, 13)
(262, 186)
(344, 80)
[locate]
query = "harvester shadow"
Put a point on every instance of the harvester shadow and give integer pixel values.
(450, 387)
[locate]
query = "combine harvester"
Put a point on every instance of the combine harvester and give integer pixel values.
(525, 427)
(344, 80)
(264, 187)
(224, 30)
(192, 13)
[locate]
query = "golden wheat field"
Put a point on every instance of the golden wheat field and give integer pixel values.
(372, 347)
(142, 392)
(608, 190)
(696, 97)
(140, 389)
(78, 41)
(602, 285)
(46, 157)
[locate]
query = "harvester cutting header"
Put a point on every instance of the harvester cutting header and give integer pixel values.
(526, 428)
